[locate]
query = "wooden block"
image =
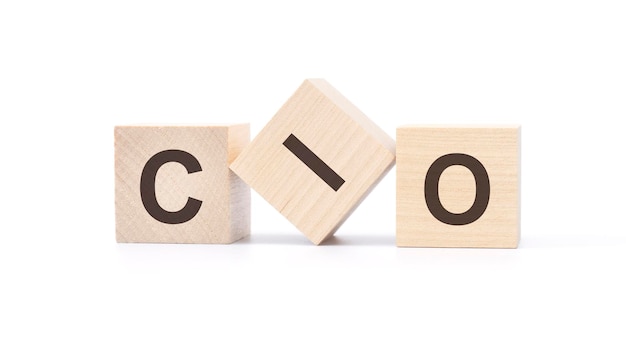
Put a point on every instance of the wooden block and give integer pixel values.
(458, 186)
(317, 159)
(173, 184)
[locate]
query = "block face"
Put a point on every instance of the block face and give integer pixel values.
(462, 189)
(340, 140)
(223, 216)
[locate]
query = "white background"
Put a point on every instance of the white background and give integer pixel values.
(71, 70)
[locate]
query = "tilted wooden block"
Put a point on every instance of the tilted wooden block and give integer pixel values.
(458, 186)
(317, 159)
(173, 184)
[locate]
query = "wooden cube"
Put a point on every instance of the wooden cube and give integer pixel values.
(458, 186)
(317, 159)
(173, 184)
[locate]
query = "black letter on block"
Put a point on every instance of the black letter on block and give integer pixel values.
(431, 189)
(148, 195)
(314, 163)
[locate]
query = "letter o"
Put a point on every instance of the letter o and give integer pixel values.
(431, 189)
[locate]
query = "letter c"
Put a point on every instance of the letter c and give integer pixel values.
(147, 187)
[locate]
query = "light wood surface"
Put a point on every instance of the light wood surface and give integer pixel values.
(224, 215)
(341, 136)
(498, 150)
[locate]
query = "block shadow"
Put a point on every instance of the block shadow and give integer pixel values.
(571, 241)
(298, 239)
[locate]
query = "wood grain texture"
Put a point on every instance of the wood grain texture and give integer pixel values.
(496, 147)
(335, 131)
(224, 216)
